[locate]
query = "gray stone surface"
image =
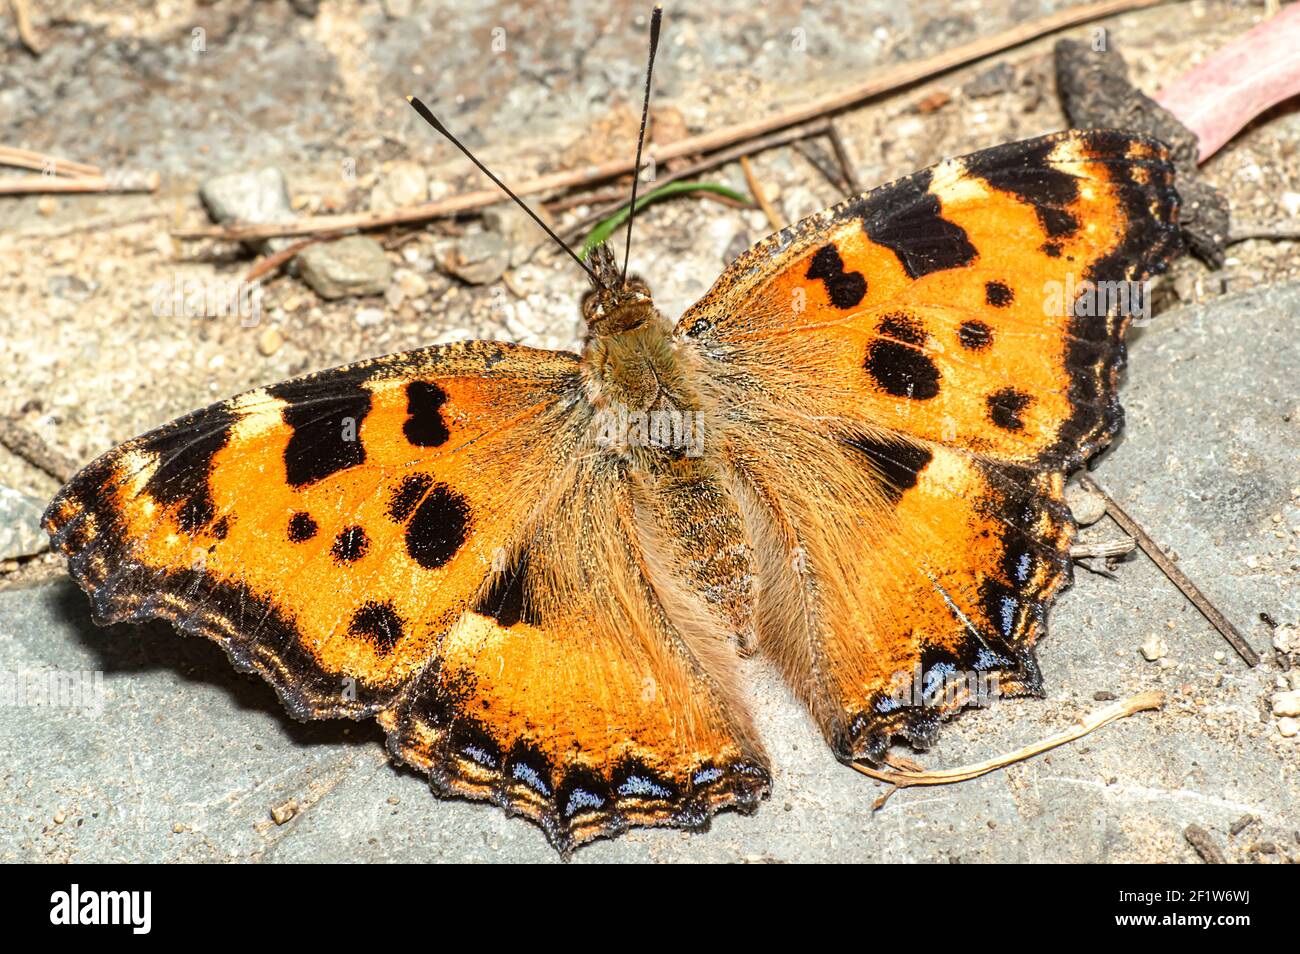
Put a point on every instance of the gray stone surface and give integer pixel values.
(351, 267)
(479, 258)
(256, 196)
(184, 759)
(20, 525)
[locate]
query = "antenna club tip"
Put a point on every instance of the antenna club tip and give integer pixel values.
(410, 99)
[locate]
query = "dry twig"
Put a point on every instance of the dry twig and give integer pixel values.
(31, 447)
(704, 165)
(1200, 840)
(1089, 723)
(124, 182)
(1103, 548)
(756, 189)
(846, 164)
(40, 161)
(25, 31)
(276, 260)
(1271, 233)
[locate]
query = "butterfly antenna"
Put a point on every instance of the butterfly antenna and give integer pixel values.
(655, 18)
(427, 115)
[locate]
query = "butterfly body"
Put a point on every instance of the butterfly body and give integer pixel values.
(536, 569)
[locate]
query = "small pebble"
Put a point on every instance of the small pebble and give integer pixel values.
(369, 317)
(1288, 727)
(284, 812)
(1154, 648)
(269, 341)
(352, 266)
(479, 258)
(60, 818)
(1286, 703)
(399, 183)
(1088, 507)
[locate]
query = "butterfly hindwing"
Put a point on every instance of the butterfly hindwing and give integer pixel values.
(569, 696)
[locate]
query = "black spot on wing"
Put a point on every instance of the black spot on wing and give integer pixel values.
(506, 600)
(902, 370)
(301, 527)
(898, 465)
(408, 495)
(424, 426)
(906, 219)
(325, 413)
(846, 289)
(1006, 406)
(351, 544)
(902, 327)
(185, 449)
(998, 294)
(438, 529)
(379, 625)
(1024, 170)
(975, 335)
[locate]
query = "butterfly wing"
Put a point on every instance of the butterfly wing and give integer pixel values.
(345, 535)
(932, 356)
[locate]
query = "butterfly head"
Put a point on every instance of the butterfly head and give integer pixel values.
(614, 305)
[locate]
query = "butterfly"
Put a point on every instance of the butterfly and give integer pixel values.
(536, 569)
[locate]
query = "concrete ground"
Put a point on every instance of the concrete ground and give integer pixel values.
(187, 760)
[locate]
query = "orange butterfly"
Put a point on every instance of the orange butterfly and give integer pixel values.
(535, 568)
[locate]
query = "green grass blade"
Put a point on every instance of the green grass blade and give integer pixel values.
(606, 227)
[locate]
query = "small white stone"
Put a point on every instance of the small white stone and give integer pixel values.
(368, 317)
(411, 284)
(1086, 506)
(1154, 648)
(1291, 202)
(1286, 703)
(1288, 727)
